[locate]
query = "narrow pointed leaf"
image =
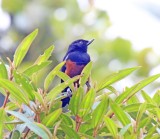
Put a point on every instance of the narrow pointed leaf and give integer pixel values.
(45, 56)
(134, 89)
(120, 114)
(35, 68)
(2, 117)
(22, 49)
(59, 88)
(76, 100)
(32, 126)
(85, 73)
(25, 84)
(3, 70)
(63, 76)
(99, 111)
(50, 119)
(72, 134)
(156, 98)
(87, 103)
(15, 91)
(114, 77)
(111, 127)
(51, 75)
(140, 113)
(147, 98)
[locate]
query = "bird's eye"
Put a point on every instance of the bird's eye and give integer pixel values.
(81, 42)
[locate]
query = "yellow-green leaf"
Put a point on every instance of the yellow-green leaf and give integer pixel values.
(3, 70)
(22, 49)
(111, 127)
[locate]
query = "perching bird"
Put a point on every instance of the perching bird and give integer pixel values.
(76, 59)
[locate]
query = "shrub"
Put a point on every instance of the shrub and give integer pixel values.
(30, 111)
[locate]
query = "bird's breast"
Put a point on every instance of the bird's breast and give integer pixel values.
(73, 68)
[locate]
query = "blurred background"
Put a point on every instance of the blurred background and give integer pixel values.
(126, 32)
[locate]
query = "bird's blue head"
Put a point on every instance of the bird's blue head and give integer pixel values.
(79, 45)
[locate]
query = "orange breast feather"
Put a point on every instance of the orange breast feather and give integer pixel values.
(72, 69)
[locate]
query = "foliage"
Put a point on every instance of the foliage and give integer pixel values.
(29, 111)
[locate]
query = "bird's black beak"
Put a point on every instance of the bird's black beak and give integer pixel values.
(89, 42)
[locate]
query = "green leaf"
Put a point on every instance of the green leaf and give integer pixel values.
(76, 100)
(144, 122)
(85, 73)
(140, 113)
(22, 49)
(2, 117)
(135, 107)
(59, 88)
(120, 114)
(32, 126)
(99, 112)
(134, 89)
(50, 119)
(25, 84)
(72, 134)
(147, 98)
(156, 97)
(151, 132)
(3, 73)
(87, 103)
(39, 97)
(65, 77)
(45, 56)
(114, 77)
(66, 120)
(15, 91)
(35, 68)
(51, 75)
(158, 113)
(111, 127)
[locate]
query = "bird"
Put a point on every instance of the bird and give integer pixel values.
(76, 58)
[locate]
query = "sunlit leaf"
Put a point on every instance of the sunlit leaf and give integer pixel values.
(14, 90)
(76, 100)
(111, 126)
(140, 113)
(87, 103)
(3, 70)
(24, 83)
(66, 120)
(35, 68)
(144, 122)
(50, 119)
(156, 97)
(45, 56)
(99, 111)
(134, 89)
(85, 74)
(2, 117)
(59, 88)
(114, 77)
(51, 75)
(72, 134)
(22, 49)
(32, 126)
(151, 132)
(147, 98)
(120, 114)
